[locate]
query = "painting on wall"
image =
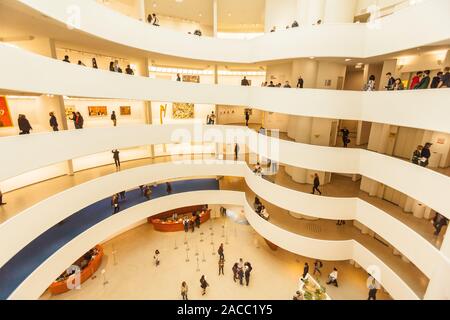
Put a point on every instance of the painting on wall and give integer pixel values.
(69, 111)
(98, 111)
(125, 110)
(191, 78)
(5, 116)
(183, 110)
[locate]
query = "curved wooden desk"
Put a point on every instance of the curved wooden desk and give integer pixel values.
(163, 223)
(60, 286)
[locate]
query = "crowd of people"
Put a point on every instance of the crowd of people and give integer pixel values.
(421, 80)
(287, 85)
(113, 65)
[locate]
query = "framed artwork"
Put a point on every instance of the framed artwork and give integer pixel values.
(191, 78)
(5, 116)
(69, 110)
(182, 110)
(125, 110)
(98, 111)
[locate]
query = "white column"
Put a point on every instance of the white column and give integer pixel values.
(339, 11)
(60, 109)
(141, 9)
(215, 18)
(315, 11)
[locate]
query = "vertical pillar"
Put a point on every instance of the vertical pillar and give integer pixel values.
(315, 11)
(61, 109)
(215, 18)
(141, 9)
(338, 11)
(147, 104)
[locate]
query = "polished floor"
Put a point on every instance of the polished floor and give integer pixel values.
(131, 274)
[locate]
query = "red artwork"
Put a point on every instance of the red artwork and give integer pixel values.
(5, 116)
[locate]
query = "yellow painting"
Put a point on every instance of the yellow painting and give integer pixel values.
(98, 111)
(182, 110)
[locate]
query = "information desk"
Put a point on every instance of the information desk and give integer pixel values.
(172, 221)
(68, 282)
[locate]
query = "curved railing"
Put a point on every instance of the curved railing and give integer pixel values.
(49, 76)
(32, 223)
(319, 41)
(38, 280)
(18, 150)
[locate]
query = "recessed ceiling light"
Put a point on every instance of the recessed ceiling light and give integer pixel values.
(154, 5)
(200, 15)
(229, 14)
(348, 60)
(311, 57)
(179, 1)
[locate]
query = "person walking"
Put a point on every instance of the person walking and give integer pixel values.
(168, 188)
(186, 224)
(184, 291)
(115, 203)
(53, 122)
(247, 117)
(235, 271)
(345, 134)
(197, 220)
(241, 275)
(305, 270)
(220, 251)
(203, 284)
(114, 118)
(236, 151)
(94, 63)
(1, 199)
(192, 224)
(116, 158)
(332, 277)
(316, 184)
(247, 270)
(317, 266)
(221, 265)
(156, 258)
(24, 125)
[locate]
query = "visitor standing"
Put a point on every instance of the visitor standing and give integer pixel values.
(114, 118)
(247, 270)
(300, 82)
(305, 270)
(221, 265)
(436, 80)
(425, 81)
(53, 122)
(220, 251)
(24, 124)
(415, 80)
(168, 188)
(390, 83)
(79, 121)
(184, 291)
(236, 151)
(115, 203)
(445, 79)
(345, 134)
(235, 271)
(247, 117)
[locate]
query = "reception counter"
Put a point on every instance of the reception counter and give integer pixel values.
(165, 222)
(60, 286)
